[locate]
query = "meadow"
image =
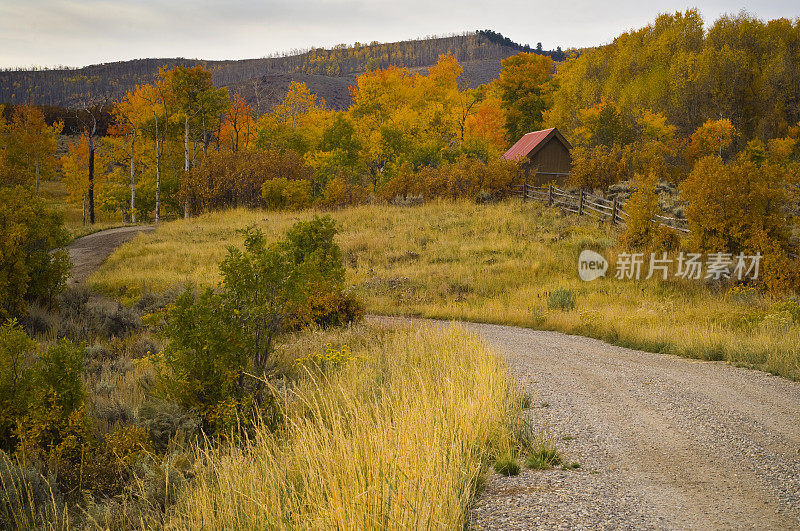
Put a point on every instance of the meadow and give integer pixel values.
(495, 263)
(378, 434)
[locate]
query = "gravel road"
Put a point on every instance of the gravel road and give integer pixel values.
(663, 442)
(88, 252)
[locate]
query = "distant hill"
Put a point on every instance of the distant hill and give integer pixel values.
(263, 82)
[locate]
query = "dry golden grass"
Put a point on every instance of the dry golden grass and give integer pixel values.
(489, 263)
(397, 437)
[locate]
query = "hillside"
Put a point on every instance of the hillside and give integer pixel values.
(328, 72)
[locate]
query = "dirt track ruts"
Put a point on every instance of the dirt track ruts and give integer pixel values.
(88, 252)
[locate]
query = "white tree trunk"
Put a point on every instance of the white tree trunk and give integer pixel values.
(133, 177)
(158, 176)
(186, 162)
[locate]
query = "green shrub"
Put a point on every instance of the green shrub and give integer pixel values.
(219, 345)
(17, 355)
(561, 299)
(34, 264)
(205, 356)
(38, 396)
(56, 397)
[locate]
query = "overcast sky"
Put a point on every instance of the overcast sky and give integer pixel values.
(82, 32)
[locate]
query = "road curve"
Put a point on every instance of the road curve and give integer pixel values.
(663, 442)
(88, 252)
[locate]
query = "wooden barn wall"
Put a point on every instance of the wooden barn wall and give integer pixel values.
(553, 157)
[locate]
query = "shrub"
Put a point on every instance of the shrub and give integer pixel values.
(38, 396)
(285, 194)
(466, 177)
(665, 239)
(56, 396)
(790, 306)
(28, 499)
(17, 352)
(215, 341)
(205, 356)
(166, 421)
(561, 299)
(236, 178)
(758, 195)
(640, 231)
(34, 264)
(598, 167)
(151, 301)
(339, 193)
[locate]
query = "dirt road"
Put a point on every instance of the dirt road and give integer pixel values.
(88, 252)
(662, 442)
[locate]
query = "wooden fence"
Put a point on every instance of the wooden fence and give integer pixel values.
(586, 204)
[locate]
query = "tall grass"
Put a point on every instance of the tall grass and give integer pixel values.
(396, 438)
(490, 263)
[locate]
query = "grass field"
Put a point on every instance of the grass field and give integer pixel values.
(383, 426)
(397, 436)
(490, 263)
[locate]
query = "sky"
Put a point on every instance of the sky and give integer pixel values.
(83, 32)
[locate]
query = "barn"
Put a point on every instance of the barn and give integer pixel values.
(544, 156)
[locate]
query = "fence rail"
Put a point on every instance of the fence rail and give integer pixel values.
(583, 203)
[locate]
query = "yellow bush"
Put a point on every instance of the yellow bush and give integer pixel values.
(339, 193)
(286, 194)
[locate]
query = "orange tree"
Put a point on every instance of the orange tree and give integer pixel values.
(522, 86)
(741, 207)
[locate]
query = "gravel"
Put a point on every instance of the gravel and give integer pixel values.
(663, 442)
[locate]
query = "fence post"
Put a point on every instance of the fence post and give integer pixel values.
(614, 212)
(580, 205)
(525, 189)
(550, 195)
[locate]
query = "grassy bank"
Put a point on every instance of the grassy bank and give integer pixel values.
(490, 263)
(397, 437)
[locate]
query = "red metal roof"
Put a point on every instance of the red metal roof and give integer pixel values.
(527, 143)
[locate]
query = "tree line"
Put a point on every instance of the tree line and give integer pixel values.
(110, 81)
